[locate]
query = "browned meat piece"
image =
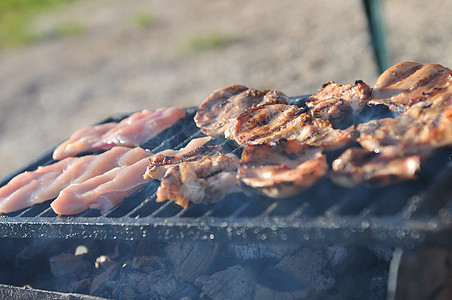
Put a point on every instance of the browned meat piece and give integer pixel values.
(224, 105)
(336, 111)
(357, 165)
(407, 83)
(281, 170)
(163, 160)
(423, 127)
(196, 173)
(182, 183)
(270, 123)
(355, 95)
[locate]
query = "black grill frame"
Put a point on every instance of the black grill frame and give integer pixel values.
(422, 218)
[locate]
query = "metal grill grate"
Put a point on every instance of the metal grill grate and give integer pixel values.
(406, 215)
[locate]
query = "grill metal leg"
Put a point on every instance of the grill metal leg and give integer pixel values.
(422, 274)
(374, 14)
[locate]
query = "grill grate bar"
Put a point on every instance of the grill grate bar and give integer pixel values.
(161, 210)
(271, 208)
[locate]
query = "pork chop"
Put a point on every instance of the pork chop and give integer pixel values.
(281, 170)
(408, 83)
(270, 123)
(357, 165)
(224, 105)
(197, 173)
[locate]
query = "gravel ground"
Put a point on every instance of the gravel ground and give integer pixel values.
(51, 88)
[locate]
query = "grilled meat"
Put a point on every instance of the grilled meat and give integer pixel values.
(196, 173)
(357, 165)
(224, 105)
(270, 123)
(183, 183)
(101, 192)
(334, 110)
(130, 132)
(283, 169)
(163, 160)
(408, 83)
(29, 188)
(424, 126)
(355, 95)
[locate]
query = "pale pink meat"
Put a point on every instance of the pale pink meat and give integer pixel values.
(130, 132)
(29, 188)
(101, 192)
(82, 140)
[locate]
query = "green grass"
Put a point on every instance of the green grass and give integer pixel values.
(209, 40)
(15, 16)
(144, 19)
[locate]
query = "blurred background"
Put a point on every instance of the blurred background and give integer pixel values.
(69, 64)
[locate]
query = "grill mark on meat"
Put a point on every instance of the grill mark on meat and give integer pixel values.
(221, 107)
(356, 95)
(198, 173)
(400, 72)
(160, 162)
(357, 165)
(281, 170)
(424, 127)
(263, 123)
(337, 111)
(182, 184)
(270, 123)
(408, 83)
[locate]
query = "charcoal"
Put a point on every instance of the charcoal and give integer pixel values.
(264, 292)
(99, 284)
(282, 249)
(191, 259)
(236, 282)
(147, 277)
(362, 276)
(68, 265)
(337, 255)
(309, 266)
(81, 286)
(250, 251)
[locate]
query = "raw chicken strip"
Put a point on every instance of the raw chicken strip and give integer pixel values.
(130, 132)
(29, 188)
(101, 192)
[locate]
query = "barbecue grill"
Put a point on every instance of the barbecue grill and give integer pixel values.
(409, 215)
